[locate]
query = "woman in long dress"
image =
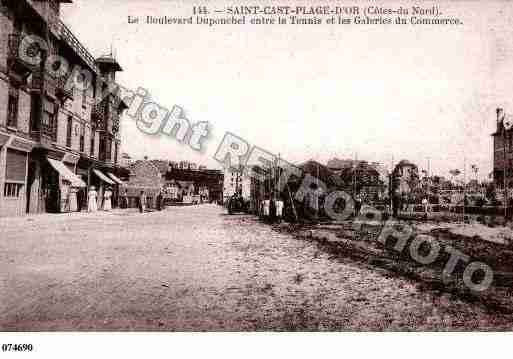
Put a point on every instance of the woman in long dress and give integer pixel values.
(92, 197)
(107, 200)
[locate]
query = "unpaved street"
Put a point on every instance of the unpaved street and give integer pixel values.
(195, 268)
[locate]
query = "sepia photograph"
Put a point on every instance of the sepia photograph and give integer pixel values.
(246, 167)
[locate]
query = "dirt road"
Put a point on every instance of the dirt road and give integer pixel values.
(195, 268)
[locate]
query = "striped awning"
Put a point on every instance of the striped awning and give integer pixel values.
(115, 179)
(103, 177)
(66, 173)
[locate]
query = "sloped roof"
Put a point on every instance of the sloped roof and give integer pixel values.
(110, 61)
(321, 172)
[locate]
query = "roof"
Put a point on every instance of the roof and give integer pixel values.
(185, 184)
(109, 61)
(321, 172)
(162, 165)
(404, 163)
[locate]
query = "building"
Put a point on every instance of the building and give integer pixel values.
(502, 152)
(405, 178)
(56, 140)
(145, 177)
(186, 182)
(236, 180)
(366, 180)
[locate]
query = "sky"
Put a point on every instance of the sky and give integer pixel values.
(376, 93)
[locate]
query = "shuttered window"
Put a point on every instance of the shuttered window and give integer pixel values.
(16, 164)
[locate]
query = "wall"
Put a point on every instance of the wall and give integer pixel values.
(24, 106)
(4, 96)
(6, 25)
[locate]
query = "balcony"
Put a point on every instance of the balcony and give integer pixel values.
(15, 60)
(98, 115)
(70, 39)
(46, 135)
(115, 123)
(43, 82)
(62, 91)
(37, 82)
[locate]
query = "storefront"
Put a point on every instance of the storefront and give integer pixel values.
(117, 189)
(101, 181)
(69, 184)
(52, 185)
(14, 152)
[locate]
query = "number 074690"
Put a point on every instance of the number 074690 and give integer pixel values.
(17, 347)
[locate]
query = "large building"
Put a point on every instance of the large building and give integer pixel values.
(56, 140)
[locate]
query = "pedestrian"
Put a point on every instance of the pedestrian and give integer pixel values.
(425, 204)
(279, 210)
(92, 197)
(107, 200)
(357, 205)
(124, 199)
(396, 204)
(142, 204)
(266, 207)
(272, 209)
(159, 201)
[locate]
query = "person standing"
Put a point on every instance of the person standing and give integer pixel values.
(357, 205)
(92, 197)
(425, 204)
(396, 204)
(124, 199)
(266, 204)
(159, 201)
(142, 204)
(107, 200)
(279, 209)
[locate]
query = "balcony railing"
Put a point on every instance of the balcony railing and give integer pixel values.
(37, 81)
(43, 81)
(62, 90)
(99, 116)
(115, 123)
(14, 55)
(74, 43)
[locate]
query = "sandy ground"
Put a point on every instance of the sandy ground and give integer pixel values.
(195, 268)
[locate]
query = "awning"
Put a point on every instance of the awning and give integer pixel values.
(66, 173)
(115, 179)
(103, 177)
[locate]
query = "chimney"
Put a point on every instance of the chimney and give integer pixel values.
(500, 117)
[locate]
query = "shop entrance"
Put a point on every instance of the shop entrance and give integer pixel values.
(50, 189)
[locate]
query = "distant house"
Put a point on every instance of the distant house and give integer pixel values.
(365, 180)
(405, 177)
(144, 177)
(185, 177)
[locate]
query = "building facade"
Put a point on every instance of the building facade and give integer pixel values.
(236, 181)
(56, 139)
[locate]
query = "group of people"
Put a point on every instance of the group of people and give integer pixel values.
(92, 203)
(272, 209)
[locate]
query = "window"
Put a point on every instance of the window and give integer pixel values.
(69, 131)
(82, 138)
(116, 148)
(92, 142)
(48, 120)
(12, 190)
(84, 98)
(108, 149)
(12, 107)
